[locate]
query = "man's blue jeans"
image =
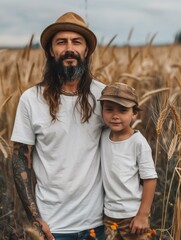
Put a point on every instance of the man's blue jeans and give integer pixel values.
(84, 235)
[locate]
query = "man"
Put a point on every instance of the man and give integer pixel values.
(56, 133)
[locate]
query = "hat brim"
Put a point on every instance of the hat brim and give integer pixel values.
(57, 27)
(121, 101)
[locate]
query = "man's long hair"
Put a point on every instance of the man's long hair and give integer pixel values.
(52, 83)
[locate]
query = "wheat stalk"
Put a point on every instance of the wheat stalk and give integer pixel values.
(129, 75)
(5, 102)
(177, 219)
(172, 146)
(161, 119)
(155, 92)
(138, 121)
(176, 118)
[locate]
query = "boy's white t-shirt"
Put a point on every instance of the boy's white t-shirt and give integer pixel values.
(124, 163)
(66, 160)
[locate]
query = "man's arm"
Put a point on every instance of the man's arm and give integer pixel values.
(22, 170)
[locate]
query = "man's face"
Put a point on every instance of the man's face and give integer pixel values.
(66, 42)
(69, 50)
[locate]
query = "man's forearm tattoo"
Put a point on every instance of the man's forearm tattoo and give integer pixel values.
(22, 169)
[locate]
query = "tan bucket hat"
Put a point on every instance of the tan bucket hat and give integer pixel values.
(120, 93)
(69, 22)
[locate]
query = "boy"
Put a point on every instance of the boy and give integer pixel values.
(126, 161)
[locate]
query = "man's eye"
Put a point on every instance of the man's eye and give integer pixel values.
(60, 42)
(77, 42)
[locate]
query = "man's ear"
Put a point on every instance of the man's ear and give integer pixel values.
(86, 51)
(51, 52)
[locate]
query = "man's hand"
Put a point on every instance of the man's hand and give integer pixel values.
(43, 230)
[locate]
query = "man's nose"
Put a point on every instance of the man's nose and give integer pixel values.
(69, 47)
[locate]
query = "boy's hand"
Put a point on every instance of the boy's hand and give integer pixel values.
(139, 224)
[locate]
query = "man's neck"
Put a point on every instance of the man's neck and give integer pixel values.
(70, 88)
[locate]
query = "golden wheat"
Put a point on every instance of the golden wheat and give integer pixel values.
(157, 81)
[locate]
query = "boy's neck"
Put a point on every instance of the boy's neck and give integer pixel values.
(122, 135)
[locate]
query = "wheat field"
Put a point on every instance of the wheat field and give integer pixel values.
(155, 73)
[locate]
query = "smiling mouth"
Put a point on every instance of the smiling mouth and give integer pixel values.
(70, 57)
(69, 60)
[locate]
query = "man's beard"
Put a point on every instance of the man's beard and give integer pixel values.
(70, 73)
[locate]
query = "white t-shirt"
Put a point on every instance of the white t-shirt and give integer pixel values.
(124, 163)
(66, 160)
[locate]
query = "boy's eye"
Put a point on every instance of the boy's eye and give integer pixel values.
(108, 109)
(123, 110)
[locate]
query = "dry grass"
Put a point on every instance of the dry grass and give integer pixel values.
(155, 73)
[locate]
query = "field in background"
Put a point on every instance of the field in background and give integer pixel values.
(155, 73)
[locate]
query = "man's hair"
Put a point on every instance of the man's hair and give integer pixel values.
(52, 84)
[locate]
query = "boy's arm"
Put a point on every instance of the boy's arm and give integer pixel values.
(22, 170)
(140, 223)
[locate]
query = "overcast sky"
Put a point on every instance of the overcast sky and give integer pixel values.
(19, 19)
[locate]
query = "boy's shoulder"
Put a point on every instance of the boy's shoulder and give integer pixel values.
(140, 139)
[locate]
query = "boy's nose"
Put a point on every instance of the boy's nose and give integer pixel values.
(115, 116)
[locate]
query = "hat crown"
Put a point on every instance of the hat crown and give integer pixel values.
(121, 90)
(72, 22)
(120, 93)
(73, 18)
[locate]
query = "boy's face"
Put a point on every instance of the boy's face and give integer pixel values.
(117, 117)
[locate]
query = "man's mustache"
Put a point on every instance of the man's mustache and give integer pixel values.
(70, 55)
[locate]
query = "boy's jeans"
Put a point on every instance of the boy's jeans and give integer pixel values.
(92, 234)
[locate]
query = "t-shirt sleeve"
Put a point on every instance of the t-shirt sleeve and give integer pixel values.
(146, 163)
(23, 130)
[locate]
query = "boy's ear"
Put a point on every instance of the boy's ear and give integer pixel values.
(134, 115)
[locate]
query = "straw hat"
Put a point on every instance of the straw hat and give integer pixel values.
(69, 22)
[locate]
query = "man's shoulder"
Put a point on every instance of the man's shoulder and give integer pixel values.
(31, 91)
(97, 85)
